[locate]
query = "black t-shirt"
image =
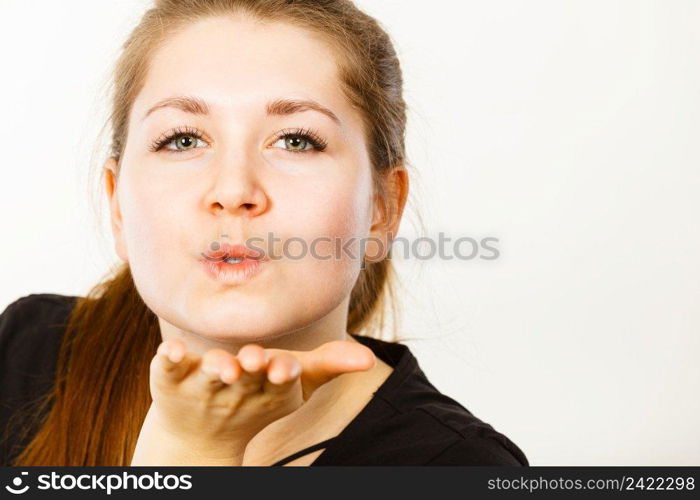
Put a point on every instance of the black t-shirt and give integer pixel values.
(407, 421)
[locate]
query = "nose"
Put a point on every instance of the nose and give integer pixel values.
(237, 188)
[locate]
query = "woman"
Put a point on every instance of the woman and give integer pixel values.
(240, 128)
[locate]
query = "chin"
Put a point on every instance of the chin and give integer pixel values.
(246, 325)
(233, 323)
(227, 335)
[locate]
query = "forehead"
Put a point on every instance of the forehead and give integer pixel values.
(237, 64)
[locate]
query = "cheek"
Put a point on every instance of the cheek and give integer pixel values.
(152, 232)
(319, 232)
(326, 217)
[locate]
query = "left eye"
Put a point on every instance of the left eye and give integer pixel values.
(295, 143)
(301, 141)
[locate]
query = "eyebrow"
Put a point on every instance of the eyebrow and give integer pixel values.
(276, 107)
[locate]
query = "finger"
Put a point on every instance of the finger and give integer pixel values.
(210, 369)
(230, 369)
(331, 359)
(253, 360)
(172, 361)
(283, 372)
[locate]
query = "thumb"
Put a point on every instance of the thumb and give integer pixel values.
(330, 360)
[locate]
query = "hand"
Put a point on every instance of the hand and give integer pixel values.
(206, 409)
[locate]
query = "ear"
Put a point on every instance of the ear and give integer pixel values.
(110, 173)
(387, 214)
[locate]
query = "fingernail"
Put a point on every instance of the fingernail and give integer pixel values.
(276, 377)
(176, 355)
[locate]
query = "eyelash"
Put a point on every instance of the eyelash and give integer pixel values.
(310, 136)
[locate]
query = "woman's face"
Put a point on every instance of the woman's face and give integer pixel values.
(241, 178)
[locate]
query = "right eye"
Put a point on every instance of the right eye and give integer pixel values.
(184, 140)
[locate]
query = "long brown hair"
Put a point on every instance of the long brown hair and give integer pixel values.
(95, 410)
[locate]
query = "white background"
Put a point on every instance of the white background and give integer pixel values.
(568, 130)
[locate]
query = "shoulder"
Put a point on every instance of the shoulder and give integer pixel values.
(30, 324)
(410, 422)
(496, 450)
(36, 306)
(440, 431)
(455, 434)
(464, 438)
(31, 329)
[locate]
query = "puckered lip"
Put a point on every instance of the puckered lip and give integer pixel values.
(229, 250)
